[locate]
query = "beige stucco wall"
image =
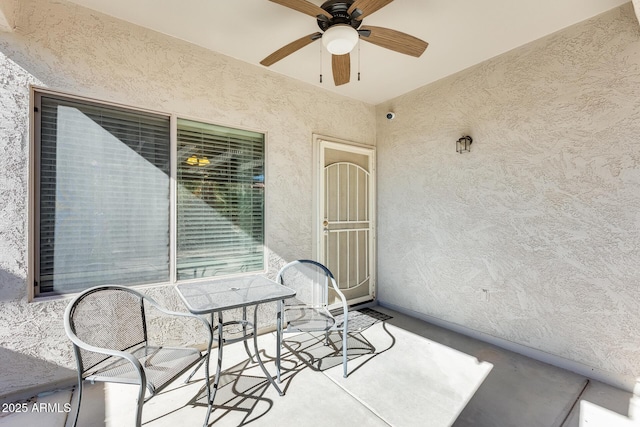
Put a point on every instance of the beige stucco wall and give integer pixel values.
(544, 212)
(68, 48)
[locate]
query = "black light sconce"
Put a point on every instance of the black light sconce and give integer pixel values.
(463, 145)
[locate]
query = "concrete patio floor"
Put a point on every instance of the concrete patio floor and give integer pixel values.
(402, 372)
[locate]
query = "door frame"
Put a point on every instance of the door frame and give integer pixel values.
(320, 143)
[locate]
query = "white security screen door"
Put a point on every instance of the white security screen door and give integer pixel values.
(345, 233)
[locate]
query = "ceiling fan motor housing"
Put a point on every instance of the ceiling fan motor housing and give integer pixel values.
(339, 10)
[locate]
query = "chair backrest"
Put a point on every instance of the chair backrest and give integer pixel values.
(311, 281)
(110, 317)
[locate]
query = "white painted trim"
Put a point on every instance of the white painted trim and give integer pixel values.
(614, 380)
(266, 204)
(361, 300)
(173, 199)
(320, 143)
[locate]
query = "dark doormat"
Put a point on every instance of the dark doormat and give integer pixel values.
(361, 319)
(321, 352)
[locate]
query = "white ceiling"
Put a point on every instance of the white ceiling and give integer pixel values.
(460, 33)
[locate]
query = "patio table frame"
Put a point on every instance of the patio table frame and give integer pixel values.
(217, 295)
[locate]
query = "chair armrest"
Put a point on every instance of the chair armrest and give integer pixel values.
(339, 292)
(345, 307)
(160, 308)
(173, 313)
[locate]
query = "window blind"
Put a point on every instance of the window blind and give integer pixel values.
(104, 181)
(220, 200)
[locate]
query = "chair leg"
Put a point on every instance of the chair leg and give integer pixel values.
(140, 403)
(344, 354)
(79, 391)
(194, 371)
(345, 335)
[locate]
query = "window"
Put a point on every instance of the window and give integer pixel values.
(220, 200)
(104, 184)
(104, 197)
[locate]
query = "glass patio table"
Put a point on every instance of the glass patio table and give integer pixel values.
(217, 295)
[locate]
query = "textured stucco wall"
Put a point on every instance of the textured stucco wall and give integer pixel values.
(72, 49)
(545, 210)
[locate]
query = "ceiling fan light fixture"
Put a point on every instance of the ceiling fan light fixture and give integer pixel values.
(340, 39)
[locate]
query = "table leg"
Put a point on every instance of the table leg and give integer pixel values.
(211, 396)
(244, 333)
(278, 338)
(255, 345)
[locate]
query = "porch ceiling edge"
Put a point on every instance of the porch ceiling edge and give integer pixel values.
(8, 14)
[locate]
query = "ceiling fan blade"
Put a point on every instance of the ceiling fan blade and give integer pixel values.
(287, 50)
(341, 66)
(394, 40)
(367, 7)
(303, 6)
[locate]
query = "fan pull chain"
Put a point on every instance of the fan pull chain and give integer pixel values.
(320, 62)
(359, 61)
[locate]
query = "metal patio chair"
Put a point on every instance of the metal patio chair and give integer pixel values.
(109, 327)
(309, 311)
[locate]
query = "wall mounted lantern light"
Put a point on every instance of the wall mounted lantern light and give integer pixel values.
(463, 145)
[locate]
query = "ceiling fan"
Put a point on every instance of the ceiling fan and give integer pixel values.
(341, 25)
